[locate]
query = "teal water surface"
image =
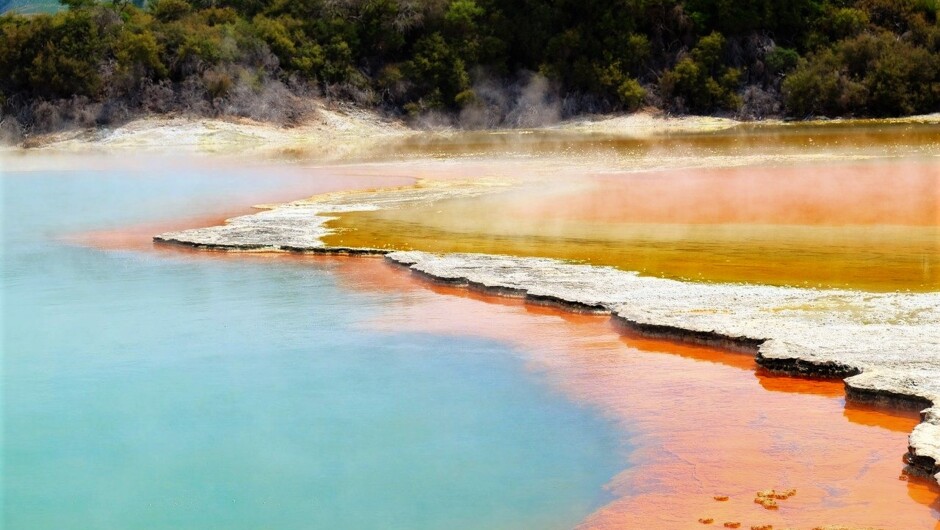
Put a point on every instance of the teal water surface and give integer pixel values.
(154, 391)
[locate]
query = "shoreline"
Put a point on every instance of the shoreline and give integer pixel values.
(922, 458)
(593, 377)
(861, 385)
(352, 127)
(336, 133)
(777, 325)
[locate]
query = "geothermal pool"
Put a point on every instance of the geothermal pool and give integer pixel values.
(152, 390)
(158, 387)
(819, 225)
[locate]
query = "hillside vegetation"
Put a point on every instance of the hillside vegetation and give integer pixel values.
(29, 6)
(477, 63)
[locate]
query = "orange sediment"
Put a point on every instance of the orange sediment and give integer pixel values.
(306, 182)
(707, 429)
(822, 225)
(700, 420)
(140, 237)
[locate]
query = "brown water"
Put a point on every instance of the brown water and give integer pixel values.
(806, 206)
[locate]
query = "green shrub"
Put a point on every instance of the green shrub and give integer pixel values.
(466, 98)
(701, 82)
(631, 94)
(437, 70)
(869, 74)
(137, 57)
(67, 62)
(275, 34)
(859, 57)
(843, 22)
(170, 10)
(781, 60)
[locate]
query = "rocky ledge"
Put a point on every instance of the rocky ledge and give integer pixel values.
(299, 226)
(886, 346)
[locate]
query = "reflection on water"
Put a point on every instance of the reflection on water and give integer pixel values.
(872, 226)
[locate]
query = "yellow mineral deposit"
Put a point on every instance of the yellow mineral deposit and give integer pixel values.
(719, 224)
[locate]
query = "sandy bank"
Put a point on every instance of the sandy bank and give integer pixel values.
(645, 124)
(885, 345)
(330, 133)
(334, 133)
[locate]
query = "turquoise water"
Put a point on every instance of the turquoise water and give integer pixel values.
(149, 390)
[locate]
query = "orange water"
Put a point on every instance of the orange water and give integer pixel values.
(869, 138)
(705, 422)
(872, 226)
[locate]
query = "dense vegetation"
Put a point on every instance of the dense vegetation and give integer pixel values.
(484, 62)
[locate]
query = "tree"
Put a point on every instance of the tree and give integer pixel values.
(702, 82)
(437, 71)
(78, 4)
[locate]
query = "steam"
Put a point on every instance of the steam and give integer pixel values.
(528, 100)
